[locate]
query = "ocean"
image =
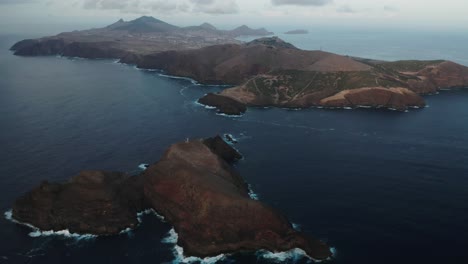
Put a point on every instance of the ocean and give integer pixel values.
(378, 186)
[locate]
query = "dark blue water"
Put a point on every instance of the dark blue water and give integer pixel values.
(380, 186)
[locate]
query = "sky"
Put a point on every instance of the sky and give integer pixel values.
(415, 14)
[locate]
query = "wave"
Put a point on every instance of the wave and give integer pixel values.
(66, 233)
(143, 166)
(292, 256)
(40, 233)
(230, 139)
(150, 212)
(178, 252)
(205, 106)
(296, 227)
(180, 78)
(231, 116)
(252, 194)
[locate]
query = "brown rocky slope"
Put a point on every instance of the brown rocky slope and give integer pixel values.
(193, 186)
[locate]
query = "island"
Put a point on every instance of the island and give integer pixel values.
(297, 32)
(265, 72)
(194, 186)
(144, 35)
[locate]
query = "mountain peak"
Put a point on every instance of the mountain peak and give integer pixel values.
(273, 42)
(147, 19)
(144, 24)
(208, 26)
(243, 27)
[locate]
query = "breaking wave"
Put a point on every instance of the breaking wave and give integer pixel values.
(40, 233)
(178, 252)
(252, 194)
(143, 166)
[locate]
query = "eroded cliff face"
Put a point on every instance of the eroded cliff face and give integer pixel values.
(375, 97)
(193, 186)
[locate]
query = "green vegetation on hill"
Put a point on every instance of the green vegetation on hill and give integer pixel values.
(290, 83)
(408, 65)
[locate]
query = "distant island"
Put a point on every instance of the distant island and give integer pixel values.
(194, 187)
(144, 35)
(264, 72)
(297, 32)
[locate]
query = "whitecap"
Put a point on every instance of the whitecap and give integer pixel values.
(39, 233)
(205, 106)
(143, 166)
(364, 106)
(179, 78)
(296, 227)
(172, 237)
(126, 231)
(252, 194)
(149, 212)
(292, 255)
(178, 252)
(226, 115)
(230, 139)
(64, 233)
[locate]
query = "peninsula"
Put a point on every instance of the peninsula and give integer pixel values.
(194, 187)
(266, 72)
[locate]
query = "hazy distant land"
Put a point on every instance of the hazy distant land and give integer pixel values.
(297, 32)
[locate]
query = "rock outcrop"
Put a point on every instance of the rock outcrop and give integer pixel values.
(225, 105)
(93, 202)
(193, 186)
(208, 204)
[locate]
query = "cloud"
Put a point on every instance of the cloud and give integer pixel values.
(202, 2)
(346, 9)
(161, 6)
(301, 2)
(12, 2)
(216, 7)
(388, 8)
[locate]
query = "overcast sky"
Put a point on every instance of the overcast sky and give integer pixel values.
(427, 14)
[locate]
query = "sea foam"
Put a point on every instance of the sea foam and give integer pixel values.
(149, 212)
(143, 166)
(172, 238)
(40, 233)
(179, 78)
(252, 194)
(291, 256)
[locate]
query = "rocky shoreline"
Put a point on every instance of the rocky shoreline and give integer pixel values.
(194, 187)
